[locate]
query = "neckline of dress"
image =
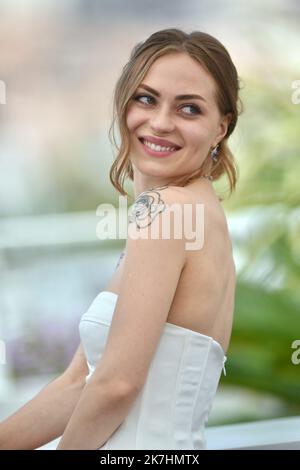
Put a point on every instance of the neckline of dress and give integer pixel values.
(109, 293)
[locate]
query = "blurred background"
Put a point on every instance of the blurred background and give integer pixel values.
(59, 61)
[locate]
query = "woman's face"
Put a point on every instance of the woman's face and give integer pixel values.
(191, 124)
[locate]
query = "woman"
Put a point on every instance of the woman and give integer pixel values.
(154, 342)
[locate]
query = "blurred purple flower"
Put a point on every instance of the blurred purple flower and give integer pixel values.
(47, 347)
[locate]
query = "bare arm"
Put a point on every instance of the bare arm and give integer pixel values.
(46, 416)
(120, 259)
(152, 268)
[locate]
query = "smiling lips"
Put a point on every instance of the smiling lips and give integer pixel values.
(165, 144)
(158, 147)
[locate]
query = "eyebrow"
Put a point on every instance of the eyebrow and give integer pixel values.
(177, 98)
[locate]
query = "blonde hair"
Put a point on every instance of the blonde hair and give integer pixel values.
(213, 56)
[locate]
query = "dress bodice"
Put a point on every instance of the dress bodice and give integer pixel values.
(172, 408)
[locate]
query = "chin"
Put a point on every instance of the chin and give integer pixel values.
(149, 169)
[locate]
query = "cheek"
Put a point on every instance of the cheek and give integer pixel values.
(134, 118)
(195, 136)
(198, 134)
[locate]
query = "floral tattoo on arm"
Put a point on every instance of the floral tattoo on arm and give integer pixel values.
(146, 207)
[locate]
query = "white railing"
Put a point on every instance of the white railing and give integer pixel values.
(48, 230)
(280, 433)
(277, 434)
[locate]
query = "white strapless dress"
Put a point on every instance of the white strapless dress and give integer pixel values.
(172, 408)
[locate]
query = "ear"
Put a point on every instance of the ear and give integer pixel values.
(223, 127)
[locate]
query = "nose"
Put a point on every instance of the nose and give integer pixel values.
(161, 121)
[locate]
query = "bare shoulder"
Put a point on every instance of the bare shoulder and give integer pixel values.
(153, 231)
(170, 193)
(153, 202)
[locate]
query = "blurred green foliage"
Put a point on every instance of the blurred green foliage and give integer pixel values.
(267, 310)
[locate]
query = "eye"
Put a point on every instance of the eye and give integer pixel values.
(143, 99)
(146, 97)
(193, 107)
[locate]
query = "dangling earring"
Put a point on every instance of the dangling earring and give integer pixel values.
(214, 153)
